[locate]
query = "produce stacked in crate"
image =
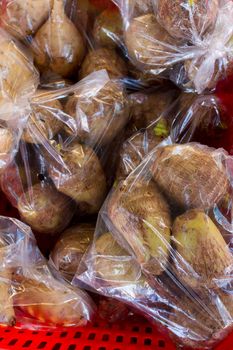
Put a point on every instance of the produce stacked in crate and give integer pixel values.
(111, 149)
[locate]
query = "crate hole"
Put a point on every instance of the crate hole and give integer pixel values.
(133, 340)
(27, 344)
(49, 333)
(34, 332)
(161, 344)
(135, 329)
(91, 336)
(77, 335)
(72, 347)
(87, 348)
(95, 325)
(105, 337)
(42, 345)
(7, 331)
(102, 348)
(119, 339)
(57, 346)
(1, 339)
(20, 332)
(63, 334)
(148, 330)
(13, 342)
(147, 341)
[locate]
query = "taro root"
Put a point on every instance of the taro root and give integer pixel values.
(100, 115)
(203, 258)
(112, 262)
(140, 214)
(58, 45)
(43, 122)
(149, 45)
(7, 144)
(19, 77)
(201, 321)
(190, 175)
(108, 28)
(70, 248)
(141, 7)
(104, 58)
(24, 17)
(81, 178)
(183, 19)
(136, 148)
(45, 209)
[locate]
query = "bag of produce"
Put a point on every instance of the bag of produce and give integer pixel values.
(189, 42)
(160, 242)
(32, 294)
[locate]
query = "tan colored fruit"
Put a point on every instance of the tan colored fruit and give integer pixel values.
(101, 115)
(58, 45)
(149, 44)
(83, 178)
(203, 258)
(104, 58)
(108, 28)
(182, 19)
(141, 215)
(201, 322)
(113, 262)
(190, 175)
(50, 302)
(45, 209)
(24, 17)
(19, 77)
(70, 248)
(43, 123)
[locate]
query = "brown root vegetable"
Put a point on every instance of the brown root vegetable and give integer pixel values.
(7, 146)
(58, 45)
(24, 17)
(45, 209)
(148, 44)
(20, 76)
(43, 122)
(137, 147)
(112, 262)
(83, 179)
(203, 321)
(70, 248)
(108, 28)
(100, 115)
(104, 58)
(194, 232)
(182, 19)
(141, 215)
(190, 175)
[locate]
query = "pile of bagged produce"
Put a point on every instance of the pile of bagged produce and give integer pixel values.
(113, 151)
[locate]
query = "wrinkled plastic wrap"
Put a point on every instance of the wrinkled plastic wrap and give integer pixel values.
(59, 169)
(160, 243)
(18, 80)
(32, 294)
(188, 41)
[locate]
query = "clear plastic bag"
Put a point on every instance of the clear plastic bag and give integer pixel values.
(189, 42)
(159, 243)
(32, 294)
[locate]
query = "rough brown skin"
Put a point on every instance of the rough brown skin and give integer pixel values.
(70, 248)
(204, 319)
(112, 262)
(189, 175)
(175, 16)
(20, 76)
(147, 42)
(141, 7)
(83, 180)
(194, 233)
(45, 209)
(58, 45)
(106, 113)
(104, 58)
(42, 124)
(7, 144)
(59, 305)
(24, 17)
(108, 29)
(141, 215)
